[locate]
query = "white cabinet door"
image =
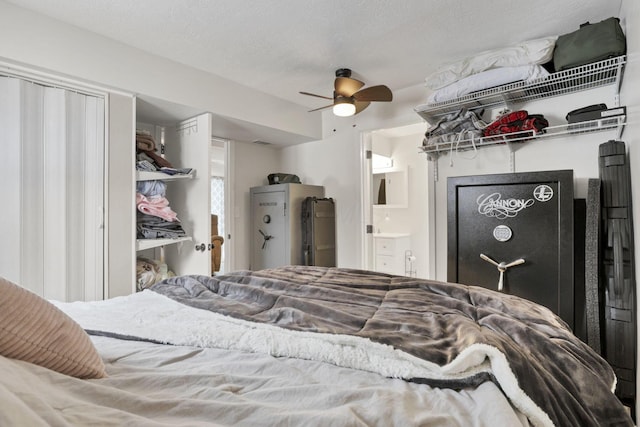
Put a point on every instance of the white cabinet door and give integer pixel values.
(187, 145)
(390, 253)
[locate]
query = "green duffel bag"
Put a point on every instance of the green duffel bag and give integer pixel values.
(590, 43)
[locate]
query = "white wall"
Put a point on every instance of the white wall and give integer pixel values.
(334, 164)
(121, 192)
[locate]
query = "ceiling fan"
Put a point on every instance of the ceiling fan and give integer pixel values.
(348, 97)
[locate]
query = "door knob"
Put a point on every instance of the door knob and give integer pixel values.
(201, 247)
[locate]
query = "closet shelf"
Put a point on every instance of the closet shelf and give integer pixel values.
(142, 244)
(602, 73)
(598, 125)
(160, 176)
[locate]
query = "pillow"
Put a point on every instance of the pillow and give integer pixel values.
(34, 330)
(487, 79)
(538, 51)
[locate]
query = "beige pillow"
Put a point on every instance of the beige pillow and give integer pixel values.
(34, 330)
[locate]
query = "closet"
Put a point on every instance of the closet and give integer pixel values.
(182, 135)
(52, 192)
(185, 144)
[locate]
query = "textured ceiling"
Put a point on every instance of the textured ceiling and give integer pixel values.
(284, 46)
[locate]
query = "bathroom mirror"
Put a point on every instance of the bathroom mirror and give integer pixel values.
(390, 189)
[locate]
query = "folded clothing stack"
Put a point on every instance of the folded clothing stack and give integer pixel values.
(153, 227)
(460, 124)
(155, 218)
(146, 156)
(516, 125)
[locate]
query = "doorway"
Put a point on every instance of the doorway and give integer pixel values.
(398, 212)
(219, 188)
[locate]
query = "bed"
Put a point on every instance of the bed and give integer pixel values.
(299, 345)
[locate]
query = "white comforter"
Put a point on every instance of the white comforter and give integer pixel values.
(157, 385)
(153, 384)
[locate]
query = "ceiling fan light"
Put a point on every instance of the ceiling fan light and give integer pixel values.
(344, 108)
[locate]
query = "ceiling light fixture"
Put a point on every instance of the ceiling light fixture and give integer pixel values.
(344, 106)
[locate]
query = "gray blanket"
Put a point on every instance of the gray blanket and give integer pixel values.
(434, 321)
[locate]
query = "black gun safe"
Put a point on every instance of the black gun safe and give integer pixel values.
(515, 233)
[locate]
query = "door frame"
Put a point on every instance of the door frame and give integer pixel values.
(366, 192)
(229, 222)
(367, 197)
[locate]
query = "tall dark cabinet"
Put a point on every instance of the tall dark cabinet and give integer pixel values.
(515, 233)
(618, 278)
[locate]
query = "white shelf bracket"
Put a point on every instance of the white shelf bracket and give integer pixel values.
(512, 160)
(435, 167)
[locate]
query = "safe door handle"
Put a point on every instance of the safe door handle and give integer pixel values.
(502, 267)
(265, 237)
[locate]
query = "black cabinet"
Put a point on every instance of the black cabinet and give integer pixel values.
(515, 233)
(618, 278)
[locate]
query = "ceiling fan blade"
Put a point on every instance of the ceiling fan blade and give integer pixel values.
(318, 96)
(321, 108)
(374, 93)
(346, 86)
(361, 106)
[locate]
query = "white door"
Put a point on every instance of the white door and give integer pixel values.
(268, 230)
(187, 145)
(52, 191)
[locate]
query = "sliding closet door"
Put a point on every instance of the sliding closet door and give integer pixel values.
(52, 191)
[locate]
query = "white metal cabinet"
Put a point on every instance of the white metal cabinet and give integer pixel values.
(276, 226)
(389, 252)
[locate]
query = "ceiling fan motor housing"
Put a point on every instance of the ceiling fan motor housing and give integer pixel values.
(343, 72)
(337, 98)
